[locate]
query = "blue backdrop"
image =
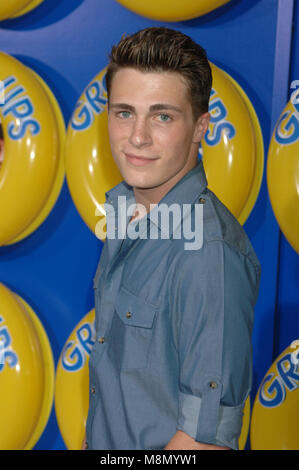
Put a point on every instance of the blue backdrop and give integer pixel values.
(67, 44)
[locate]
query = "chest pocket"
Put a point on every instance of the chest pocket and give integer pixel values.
(131, 331)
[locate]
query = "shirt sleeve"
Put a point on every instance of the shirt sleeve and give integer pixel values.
(214, 296)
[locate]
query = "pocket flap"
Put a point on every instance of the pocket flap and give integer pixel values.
(133, 310)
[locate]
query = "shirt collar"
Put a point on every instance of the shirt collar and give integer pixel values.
(185, 191)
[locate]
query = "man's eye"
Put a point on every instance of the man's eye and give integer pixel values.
(124, 114)
(164, 117)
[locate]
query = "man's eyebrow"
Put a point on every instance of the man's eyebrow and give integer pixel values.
(162, 106)
(154, 107)
(122, 106)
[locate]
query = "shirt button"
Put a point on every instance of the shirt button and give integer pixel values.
(213, 385)
(101, 339)
(201, 200)
(129, 314)
(93, 390)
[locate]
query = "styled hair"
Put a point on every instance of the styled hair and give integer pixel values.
(160, 49)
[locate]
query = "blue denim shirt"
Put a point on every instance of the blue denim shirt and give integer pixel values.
(173, 327)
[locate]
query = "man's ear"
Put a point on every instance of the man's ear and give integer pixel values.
(201, 127)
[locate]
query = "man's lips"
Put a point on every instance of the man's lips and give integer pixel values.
(139, 160)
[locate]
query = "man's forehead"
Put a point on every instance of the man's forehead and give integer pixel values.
(161, 88)
(133, 75)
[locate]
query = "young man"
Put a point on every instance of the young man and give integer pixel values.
(171, 366)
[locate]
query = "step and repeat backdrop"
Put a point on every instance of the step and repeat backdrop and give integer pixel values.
(56, 165)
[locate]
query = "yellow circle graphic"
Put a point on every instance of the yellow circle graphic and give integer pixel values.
(90, 167)
(283, 171)
(172, 10)
(233, 148)
(16, 8)
(26, 374)
(71, 388)
(32, 172)
(274, 422)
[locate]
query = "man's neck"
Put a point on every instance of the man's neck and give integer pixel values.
(150, 197)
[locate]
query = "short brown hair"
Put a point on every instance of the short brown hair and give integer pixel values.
(163, 49)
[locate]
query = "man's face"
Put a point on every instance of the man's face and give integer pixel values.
(153, 137)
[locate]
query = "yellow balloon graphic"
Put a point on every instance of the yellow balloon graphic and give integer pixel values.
(32, 5)
(233, 149)
(32, 172)
(172, 10)
(14, 8)
(90, 167)
(274, 422)
(26, 374)
(283, 171)
(71, 389)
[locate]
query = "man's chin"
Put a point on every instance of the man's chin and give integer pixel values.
(136, 182)
(136, 185)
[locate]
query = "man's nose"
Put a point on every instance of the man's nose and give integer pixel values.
(140, 133)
